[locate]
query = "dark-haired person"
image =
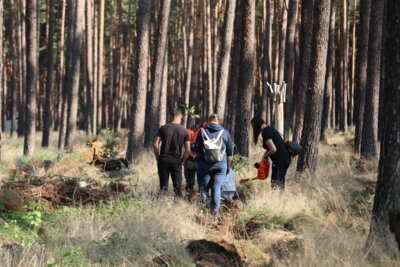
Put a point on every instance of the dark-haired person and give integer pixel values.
(212, 174)
(190, 166)
(276, 149)
(172, 137)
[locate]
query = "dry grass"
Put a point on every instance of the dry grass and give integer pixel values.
(329, 214)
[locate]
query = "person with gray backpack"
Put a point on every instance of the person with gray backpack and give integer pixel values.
(214, 147)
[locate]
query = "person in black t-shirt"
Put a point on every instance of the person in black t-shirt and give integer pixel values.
(276, 149)
(172, 137)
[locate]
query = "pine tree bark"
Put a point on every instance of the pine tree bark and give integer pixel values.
(361, 71)
(136, 133)
(289, 63)
(89, 67)
(188, 75)
(384, 230)
(246, 77)
(266, 60)
(370, 123)
(326, 110)
(210, 84)
(305, 56)
(223, 71)
(14, 62)
(100, 75)
(282, 42)
(20, 18)
(235, 68)
(312, 120)
(72, 85)
(153, 119)
(32, 72)
(344, 57)
(48, 118)
(2, 82)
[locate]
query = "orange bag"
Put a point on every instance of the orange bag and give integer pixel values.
(263, 169)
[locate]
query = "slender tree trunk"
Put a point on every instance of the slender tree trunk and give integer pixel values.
(329, 76)
(370, 123)
(48, 118)
(189, 59)
(223, 71)
(164, 88)
(312, 120)
(235, 68)
(153, 119)
(72, 84)
(100, 74)
(32, 72)
(305, 56)
(344, 56)
(14, 58)
(210, 84)
(289, 64)
(61, 66)
(266, 61)
(21, 18)
(137, 131)
(95, 68)
(361, 71)
(384, 230)
(246, 77)
(89, 67)
(2, 82)
(282, 42)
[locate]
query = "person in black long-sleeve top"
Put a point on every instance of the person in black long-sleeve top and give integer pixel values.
(276, 149)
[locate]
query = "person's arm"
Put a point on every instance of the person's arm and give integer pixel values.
(156, 147)
(229, 153)
(271, 149)
(228, 164)
(187, 151)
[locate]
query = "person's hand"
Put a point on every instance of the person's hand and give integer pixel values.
(228, 170)
(265, 157)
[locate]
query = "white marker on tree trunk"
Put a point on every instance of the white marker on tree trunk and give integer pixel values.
(279, 96)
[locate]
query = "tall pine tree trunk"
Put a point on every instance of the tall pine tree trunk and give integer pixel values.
(2, 82)
(72, 85)
(246, 77)
(223, 71)
(153, 119)
(266, 60)
(32, 72)
(370, 123)
(361, 71)
(344, 61)
(48, 118)
(289, 63)
(137, 131)
(384, 230)
(188, 75)
(329, 76)
(99, 115)
(315, 92)
(305, 56)
(14, 62)
(235, 68)
(89, 67)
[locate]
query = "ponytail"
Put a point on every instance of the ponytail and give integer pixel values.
(256, 124)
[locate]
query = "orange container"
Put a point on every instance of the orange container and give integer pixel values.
(263, 169)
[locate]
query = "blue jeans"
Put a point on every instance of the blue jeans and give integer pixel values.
(211, 175)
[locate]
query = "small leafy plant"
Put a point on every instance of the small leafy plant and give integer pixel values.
(190, 111)
(109, 148)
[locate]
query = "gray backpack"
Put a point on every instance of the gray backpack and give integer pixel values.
(213, 151)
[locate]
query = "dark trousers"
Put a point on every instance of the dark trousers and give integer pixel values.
(279, 170)
(164, 170)
(190, 169)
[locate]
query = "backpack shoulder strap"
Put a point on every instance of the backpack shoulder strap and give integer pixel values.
(220, 134)
(205, 134)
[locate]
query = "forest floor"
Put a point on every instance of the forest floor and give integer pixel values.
(57, 209)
